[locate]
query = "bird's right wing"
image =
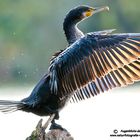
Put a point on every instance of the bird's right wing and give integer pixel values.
(93, 58)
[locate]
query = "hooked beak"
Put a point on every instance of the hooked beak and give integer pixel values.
(100, 9)
(92, 11)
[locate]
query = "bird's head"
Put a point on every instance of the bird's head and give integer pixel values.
(75, 16)
(82, 12)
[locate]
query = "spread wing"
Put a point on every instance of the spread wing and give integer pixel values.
(96, 63)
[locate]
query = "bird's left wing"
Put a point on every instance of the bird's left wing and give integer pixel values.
(116, 78)
(94, 59)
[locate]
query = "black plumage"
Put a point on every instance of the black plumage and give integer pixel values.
(92, 63)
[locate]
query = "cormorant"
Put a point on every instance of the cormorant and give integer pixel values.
(92, 63)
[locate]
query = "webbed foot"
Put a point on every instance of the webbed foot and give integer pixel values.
(57, 126)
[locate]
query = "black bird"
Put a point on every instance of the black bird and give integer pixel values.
(92, 63)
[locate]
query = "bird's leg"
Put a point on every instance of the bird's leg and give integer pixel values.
(54, 125)
(53, 117)
(49, 121)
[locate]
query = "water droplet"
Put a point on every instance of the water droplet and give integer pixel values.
(14, 33)
(19, 72)
(36, 70)
(13, 58)
(22, 54)
(25, 75)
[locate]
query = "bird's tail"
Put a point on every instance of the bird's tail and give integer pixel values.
(11, 106)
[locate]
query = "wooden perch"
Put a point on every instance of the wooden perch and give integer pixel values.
(54, 134)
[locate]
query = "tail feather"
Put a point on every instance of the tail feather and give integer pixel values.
(11, 106)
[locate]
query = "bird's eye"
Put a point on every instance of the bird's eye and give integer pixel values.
(88, 13)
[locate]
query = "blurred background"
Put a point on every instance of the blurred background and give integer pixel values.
(31, 32)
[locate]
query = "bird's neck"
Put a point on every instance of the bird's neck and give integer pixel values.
(71, 31)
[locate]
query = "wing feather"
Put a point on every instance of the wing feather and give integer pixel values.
(117, 78)
(94, 64)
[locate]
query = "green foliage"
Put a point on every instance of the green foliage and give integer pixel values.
(31, 31)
